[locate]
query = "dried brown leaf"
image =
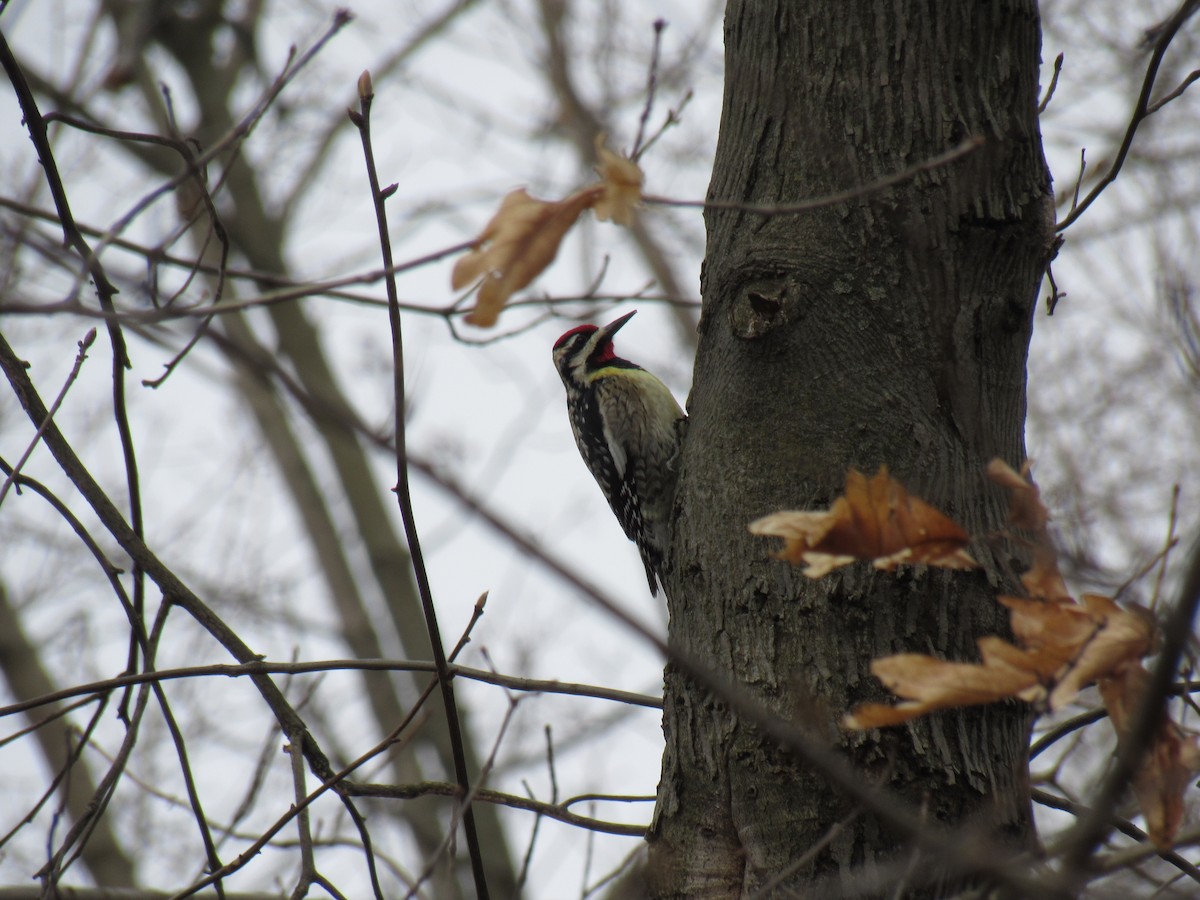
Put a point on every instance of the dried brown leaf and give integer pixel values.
(1044, 580)
(1026, 510)
(875, 519)
(1025, 507)
(1063, 648)
(622, 181)
(516, 246)
(1121, 638)
(926, 683)
(1169, 765)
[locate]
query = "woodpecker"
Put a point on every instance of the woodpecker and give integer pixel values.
(626, 425)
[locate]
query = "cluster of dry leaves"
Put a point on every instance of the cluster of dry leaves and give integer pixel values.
(1062, 645)
(524, 235)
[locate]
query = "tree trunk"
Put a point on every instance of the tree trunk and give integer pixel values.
(888, 329)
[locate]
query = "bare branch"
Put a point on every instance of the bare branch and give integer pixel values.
(337, 782)
(970, 145)
(1058, 64)
(172, 587)
(651, 88)
(264, 667)
(84, 344)
(1164, 34)
(1126, 827)
(362, 122)
(484, 795)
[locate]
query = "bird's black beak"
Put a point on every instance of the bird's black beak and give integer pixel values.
(613, 327)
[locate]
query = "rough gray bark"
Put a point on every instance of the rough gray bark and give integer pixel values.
(891, 329)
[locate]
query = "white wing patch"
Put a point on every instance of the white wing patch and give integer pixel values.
(615, 447)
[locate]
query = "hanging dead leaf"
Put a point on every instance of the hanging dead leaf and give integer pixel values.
(1079, 643)
(875, 519)
(1064, 647)
(1169, 764)
(801, 531)
(1026, 510)
(926, 683)
(1122, 638)
(622, 186)
(1025, 507)
(519, 242)
(1044, 580)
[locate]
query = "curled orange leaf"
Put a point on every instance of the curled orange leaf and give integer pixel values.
(875, 519)
(1061, 649)
(1079, 644)
(926, 684)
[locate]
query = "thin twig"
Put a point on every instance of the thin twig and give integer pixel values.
(486, 795)
(80, 356)
(1060, 731)
(651, 88)
(1170, 543)
(1127, 857)
(57, 864)
(189, 781)
(1044, 798)
(265, 667)
(968, 146)
(322, 881)
(1164, 34)
(466, 801)
(111, 572)
(35, 124)
(379, 196)
(523, 875)
(1155, 562)
(589, 850)
(608, 798)
(1058, 64)
(308, 864)
(1079, 180)
(1173, 95)
(337, 782)
(674, 117)
(637, 856)
(805, 858)
(1055, 293)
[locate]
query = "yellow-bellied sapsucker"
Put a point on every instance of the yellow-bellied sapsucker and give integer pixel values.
(626, 425)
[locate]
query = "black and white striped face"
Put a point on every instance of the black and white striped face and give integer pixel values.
(586, 349)
(572, 350)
